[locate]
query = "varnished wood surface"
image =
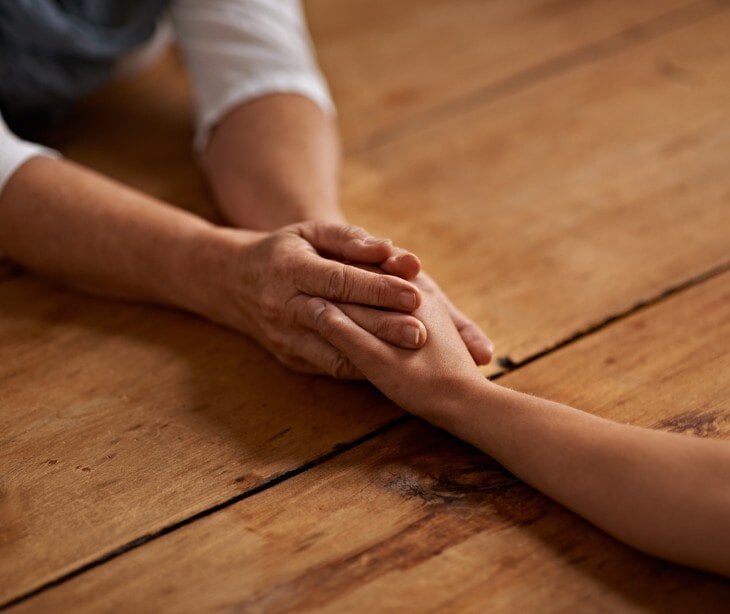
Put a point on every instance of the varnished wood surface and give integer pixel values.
(389, 65)
(552, 210)
(415, 521)
(527, 199)
(565, 163)
(394, 65)
(120, 420)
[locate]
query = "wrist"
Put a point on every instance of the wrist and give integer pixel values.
(211, 270)
(453, 407)
(274, 161)
(246, 203)
(473, 395)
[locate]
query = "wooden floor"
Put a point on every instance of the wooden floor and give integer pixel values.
(563, 170)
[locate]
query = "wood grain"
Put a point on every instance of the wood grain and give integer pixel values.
(386, 62)
(548, 212)
(395, 63)
(575, 179)
(139, 130)
(415, 520)
(120, 420)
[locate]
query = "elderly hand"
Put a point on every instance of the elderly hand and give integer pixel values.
(269, 281)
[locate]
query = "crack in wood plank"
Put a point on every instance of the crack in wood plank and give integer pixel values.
(446, 488)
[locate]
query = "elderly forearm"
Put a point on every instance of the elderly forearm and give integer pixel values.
(71, 224)
(274, 161)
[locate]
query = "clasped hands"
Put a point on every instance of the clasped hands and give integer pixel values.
(375, 284)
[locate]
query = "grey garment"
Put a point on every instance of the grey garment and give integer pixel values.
(53, 52)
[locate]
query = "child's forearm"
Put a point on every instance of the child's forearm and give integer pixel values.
(666, 494)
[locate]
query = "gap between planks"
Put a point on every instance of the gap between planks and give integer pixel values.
(551, 68)
(345, 447)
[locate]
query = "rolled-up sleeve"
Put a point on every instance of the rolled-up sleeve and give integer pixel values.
(238, 50)
(14, 152)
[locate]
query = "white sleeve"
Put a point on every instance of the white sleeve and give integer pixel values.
(238, 50)
(15, 151)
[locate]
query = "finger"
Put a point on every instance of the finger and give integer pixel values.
(397, 328)
(318, 357)
(479, 345)
(342, 283)
(359, 346)
(345, 242)
(402, 263)
(400, 329)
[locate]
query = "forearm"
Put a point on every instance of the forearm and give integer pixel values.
(663, 493)
(274, 161)
(71, 224)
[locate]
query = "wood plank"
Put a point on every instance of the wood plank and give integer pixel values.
(82, 375)
(390, 62)
(120, 420)
(616, 185)
(415, 520)
(386, 61)
(550, 211)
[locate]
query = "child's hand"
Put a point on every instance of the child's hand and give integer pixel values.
(425, 381)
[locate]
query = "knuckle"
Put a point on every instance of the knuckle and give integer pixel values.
(327, 325)
(301, 228)
(271, 308)
(339, 367)
(305, 268)
(385, 329)
(337, 283)
(276, 240)
(353, 232)
(281, 260)
(380, 290)
(322, 323)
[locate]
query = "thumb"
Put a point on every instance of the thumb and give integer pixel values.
(343, 242)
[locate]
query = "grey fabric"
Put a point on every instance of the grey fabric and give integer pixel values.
(52, 52)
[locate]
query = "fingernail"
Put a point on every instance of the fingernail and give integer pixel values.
(316, 306)
(411, 335)
(407, 300)
(489, 353)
